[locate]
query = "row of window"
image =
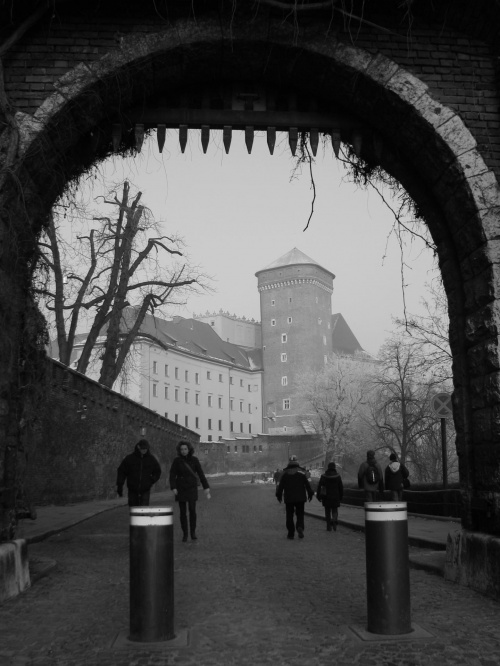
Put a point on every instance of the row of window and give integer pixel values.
(273, 302)
(209, 424)
(245, 448)
(289, 321)
(210, 402)
(197, 376)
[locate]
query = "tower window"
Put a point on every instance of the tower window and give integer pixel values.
(289, 320)
(273, 302)
(283, 358)
(283, 337)
(273, 322)
(284, 381)
(324, 339)
(286, 403)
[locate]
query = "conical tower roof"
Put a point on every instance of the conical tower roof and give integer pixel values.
(293, 258)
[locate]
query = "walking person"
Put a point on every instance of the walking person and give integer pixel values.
(184, 474)
(395, 476)
(296, 488)
(141, 470)
(329, 492)
(370, 477)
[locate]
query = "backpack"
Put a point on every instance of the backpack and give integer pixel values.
(371, 474)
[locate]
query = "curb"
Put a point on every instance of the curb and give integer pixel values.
(418, 542)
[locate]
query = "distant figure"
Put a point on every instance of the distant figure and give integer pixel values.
(370, 477)
(141, 470)
(277, 476)
(297, 490)
(329, 492)
(184, 474)
(394, 476)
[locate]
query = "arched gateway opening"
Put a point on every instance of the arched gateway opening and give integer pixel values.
(360, 95)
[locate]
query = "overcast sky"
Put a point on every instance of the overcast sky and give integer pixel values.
(240, 212)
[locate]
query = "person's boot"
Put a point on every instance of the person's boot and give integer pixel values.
(192, 527)
(184, 528)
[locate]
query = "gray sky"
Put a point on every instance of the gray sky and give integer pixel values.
(239, 212)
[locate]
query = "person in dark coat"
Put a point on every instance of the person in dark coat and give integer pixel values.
(296, 489)
(141, 470)
(329, 492)
(371, 489)
(395, 473)
(184, 474)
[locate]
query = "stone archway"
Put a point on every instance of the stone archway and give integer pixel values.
(427, 147)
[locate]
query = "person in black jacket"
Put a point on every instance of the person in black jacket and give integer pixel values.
(329, 492)
(296, 488)
(184, 474)
(395, 473)
(141, 470)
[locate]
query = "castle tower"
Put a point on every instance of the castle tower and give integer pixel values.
(296, 312)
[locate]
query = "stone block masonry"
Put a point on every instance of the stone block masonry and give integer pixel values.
(14, 569)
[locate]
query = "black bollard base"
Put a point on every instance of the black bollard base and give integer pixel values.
(184, 638)
(416, 633)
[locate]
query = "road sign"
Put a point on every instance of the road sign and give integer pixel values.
(441, 405)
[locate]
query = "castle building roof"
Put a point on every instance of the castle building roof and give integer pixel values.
(293, 258)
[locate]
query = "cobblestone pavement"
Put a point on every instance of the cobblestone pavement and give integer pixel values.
(246, 593)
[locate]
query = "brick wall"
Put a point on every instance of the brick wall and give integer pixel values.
(83, 433)
(457, 65)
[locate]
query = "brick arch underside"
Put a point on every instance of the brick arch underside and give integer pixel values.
(426, 147)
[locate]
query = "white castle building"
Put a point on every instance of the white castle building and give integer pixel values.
(225, 376)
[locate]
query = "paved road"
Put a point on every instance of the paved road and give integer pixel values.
(246, 593)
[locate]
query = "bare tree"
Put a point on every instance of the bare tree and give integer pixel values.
(430, 332)
(401, 401)
(119, 261)
(336, 396)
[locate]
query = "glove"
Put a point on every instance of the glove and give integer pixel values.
(120, 492)
(207, 493)
(174, 491)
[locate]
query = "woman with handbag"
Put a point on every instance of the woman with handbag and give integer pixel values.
(184, 474)
(329, 492)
